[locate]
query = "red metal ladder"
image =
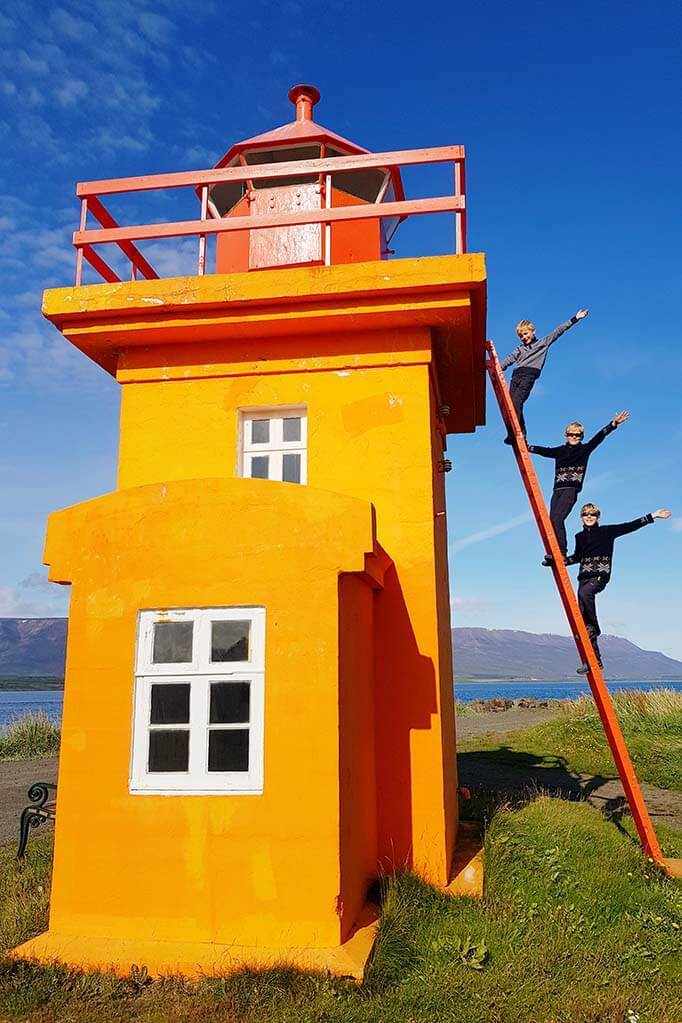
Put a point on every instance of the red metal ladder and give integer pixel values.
(602, 699)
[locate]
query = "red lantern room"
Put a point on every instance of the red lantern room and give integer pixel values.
(301, 140)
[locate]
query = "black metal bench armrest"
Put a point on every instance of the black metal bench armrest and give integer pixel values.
(42, 808)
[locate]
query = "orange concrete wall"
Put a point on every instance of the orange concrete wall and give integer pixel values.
(447, 721)
(221, 868)
(370, 421)
(358, 240)
(357, 767)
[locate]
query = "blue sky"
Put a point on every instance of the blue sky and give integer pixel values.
(571, 122)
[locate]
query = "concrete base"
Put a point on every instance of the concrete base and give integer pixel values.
(466, 874)
(193, 959)
(673, 868)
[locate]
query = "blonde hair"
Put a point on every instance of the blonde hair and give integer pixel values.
(576, 426)
(590, 508)
(522, 324)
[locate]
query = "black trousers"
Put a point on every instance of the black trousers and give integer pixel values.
(520, 387)
(587, 592)
(562, 502)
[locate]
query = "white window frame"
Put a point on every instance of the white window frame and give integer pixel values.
(199, 673)
(276, 447)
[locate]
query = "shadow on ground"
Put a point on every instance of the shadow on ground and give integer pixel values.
(511, 776)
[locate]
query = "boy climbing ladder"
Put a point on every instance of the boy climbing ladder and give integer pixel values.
(570, 466)
(594, 553)
(529, 358)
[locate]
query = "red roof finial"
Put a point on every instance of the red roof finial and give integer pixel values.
(304, 98)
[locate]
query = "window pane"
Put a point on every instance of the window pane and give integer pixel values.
(230, 703)
(170, 704)
(260, 431)
(292, 428)
(168, 750)
(172, 642)
(228, 749)
(230, 641)
(259, 467)
(291, 468)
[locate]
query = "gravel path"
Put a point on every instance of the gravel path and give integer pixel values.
(503, 720)
(16, 777)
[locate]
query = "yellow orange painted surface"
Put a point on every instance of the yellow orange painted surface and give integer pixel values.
(255, 871)
(444, 293)
(370, 435)
(360, 771)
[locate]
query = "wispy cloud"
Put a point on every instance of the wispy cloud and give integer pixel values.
(491, 531)
(34, 597)
(107, 62)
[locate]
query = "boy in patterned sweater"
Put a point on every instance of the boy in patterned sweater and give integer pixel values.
(529, 358)
(570, 466)
(594, 553)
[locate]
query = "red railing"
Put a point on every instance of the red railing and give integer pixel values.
(111, 233)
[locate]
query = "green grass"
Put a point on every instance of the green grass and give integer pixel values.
(10, 683)
(651, 723)
(31, 735)
(576, 927)
(464, 710)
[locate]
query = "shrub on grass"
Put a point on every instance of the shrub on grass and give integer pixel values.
(464, 710)
(654, 710)
(31, 735)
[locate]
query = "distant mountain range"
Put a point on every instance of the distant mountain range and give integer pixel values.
(506, 653)
(31, 647)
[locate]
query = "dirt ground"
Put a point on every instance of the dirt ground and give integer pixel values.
(503, 720)
(16, 777)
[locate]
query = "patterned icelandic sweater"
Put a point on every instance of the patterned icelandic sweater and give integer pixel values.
(594, 546)
(570, 460)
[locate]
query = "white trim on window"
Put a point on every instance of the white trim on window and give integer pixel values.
(186, 734)
(266, 452)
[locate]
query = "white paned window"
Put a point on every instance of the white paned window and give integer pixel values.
(274, 444)
(199, 701)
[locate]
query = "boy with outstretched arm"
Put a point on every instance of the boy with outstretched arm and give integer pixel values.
(570, 466)
(594, 552)
(530, 357)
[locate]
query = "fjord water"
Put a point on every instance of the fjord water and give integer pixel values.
(15, 703)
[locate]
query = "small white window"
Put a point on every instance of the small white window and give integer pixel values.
(274, 444)
(199, 701)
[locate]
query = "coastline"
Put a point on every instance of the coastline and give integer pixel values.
(49, 683)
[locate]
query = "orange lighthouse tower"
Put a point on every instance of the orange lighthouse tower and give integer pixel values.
(258, 712)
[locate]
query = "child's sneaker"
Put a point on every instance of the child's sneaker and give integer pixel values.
(584, 668)
(547, 561)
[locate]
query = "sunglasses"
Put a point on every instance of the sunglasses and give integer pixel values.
(588, 515)
(574, 434)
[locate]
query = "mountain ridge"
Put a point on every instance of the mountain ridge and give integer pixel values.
(34, 647)
(511, 653)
